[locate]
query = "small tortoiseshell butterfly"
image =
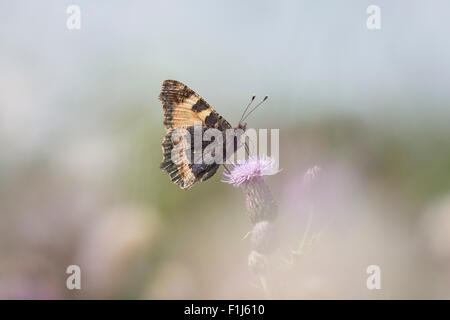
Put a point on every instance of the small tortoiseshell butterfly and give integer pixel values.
(183, 109)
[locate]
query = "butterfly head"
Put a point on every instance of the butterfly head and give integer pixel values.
(242, 125)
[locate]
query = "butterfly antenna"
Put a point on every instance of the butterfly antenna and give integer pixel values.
(249, 104)
(263, 100)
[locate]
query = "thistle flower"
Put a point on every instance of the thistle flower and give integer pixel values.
(310, 185)
(250, 174)
(251, 170)
(261, 208)
(311, 175)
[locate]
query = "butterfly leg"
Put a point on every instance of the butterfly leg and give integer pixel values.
(226, 168)
(247, 150)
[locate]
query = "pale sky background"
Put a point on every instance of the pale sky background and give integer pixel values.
(313, 58)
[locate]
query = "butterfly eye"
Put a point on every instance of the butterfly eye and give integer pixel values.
(242, 125)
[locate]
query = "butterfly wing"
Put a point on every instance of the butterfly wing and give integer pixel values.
(183, 108)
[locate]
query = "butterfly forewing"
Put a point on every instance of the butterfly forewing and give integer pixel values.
(183, 108)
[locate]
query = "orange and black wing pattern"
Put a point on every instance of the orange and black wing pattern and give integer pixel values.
(183, 108)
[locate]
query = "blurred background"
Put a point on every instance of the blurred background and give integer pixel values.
(81, 131)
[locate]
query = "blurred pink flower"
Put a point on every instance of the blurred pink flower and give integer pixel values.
(311, 175)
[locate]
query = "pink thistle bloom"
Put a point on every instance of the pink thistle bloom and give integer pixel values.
(251, 170)
(261, 208)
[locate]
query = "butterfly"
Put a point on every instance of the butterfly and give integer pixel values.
(184, 109)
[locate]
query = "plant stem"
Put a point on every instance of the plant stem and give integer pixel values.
(305, 235)
(263, 280)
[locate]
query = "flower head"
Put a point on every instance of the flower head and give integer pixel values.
(311, 175)
(261, 208)
(312, 181)
(250, 170)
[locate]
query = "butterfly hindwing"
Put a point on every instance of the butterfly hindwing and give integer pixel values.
(176, 162)
(180, 160)
(183, 109)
